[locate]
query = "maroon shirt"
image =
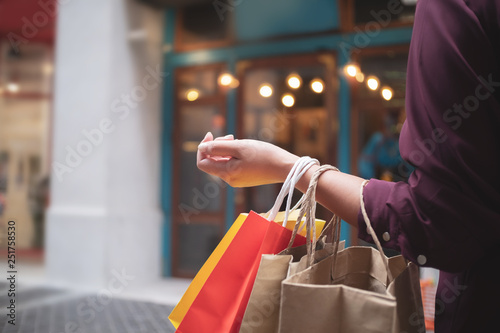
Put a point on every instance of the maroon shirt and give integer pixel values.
(448, 214)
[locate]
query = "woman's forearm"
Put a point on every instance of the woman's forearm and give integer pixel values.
(337, 191)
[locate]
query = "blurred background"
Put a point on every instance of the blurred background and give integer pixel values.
(103, 104)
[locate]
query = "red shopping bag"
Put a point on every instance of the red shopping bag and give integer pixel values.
(221, 303)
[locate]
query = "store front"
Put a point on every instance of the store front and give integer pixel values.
(299, 76)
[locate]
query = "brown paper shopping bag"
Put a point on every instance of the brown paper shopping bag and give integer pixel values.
(262, 312)
(354, 290)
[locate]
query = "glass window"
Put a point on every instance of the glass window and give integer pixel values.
(198, 198)
(379, 113)
(196, 84)
(197, 243)
(195, 122)
(289, 102)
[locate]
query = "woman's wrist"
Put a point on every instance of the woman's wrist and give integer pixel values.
(284, 165)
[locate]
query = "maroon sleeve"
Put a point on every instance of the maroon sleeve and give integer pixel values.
(448, 214)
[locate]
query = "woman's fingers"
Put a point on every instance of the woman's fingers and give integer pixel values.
(223, 158)
(223, 148)
(227, 137)
(200, 155)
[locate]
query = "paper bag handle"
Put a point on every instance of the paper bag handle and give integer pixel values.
(372, 232)
(299, 168)
(308, 210)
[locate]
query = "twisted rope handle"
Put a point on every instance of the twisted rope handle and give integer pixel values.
(308, 210)
(372, 232)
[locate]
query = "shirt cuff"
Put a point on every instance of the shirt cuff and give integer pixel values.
(376, 194)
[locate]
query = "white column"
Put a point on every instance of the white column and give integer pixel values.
(105, 211)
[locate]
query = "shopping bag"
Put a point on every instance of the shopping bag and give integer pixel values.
(355, 290)
(220, 302)
(223, 297)
(194, 288)
(262, 311)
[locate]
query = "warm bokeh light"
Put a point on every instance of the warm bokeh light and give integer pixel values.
(192, 95)
(288, 100)
(360, 77)
(47, 68)
(294, 81)
(351, 70)
(226, 79)
(265, 90)
(387, 93)
(317, 86)
(12, 87)
(372, 82)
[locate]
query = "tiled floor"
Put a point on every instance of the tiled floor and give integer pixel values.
(42, 307)
(45, 310)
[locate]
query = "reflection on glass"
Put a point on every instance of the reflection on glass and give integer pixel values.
(198, 242)
(195, 122)
(381, 115)
(203, 82)
(294, 119)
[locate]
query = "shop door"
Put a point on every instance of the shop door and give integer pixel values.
(198, 200)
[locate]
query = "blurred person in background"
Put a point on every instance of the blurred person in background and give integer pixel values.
(39, 200)
(380, 156)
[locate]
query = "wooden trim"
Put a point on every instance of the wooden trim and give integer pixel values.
(202, 218)
(380, 50)
(232, 41)
(348, 18)
(26, 95)
(346, 11)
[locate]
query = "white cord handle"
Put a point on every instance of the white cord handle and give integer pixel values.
(299, 168)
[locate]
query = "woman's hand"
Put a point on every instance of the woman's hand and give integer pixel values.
(243, 163)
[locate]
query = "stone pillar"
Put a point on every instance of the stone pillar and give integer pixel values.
(105, 214)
